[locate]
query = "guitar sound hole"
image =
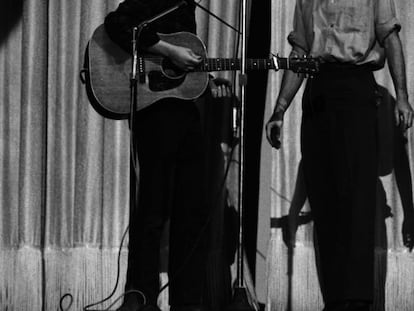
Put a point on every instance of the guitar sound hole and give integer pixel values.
(170, 70)
(158, 82)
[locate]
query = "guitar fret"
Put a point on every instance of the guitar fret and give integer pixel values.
(220, 64)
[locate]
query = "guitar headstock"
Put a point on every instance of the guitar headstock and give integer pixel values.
(306, 64)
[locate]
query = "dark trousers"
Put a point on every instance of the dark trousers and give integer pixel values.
(169, 142)
(339, 150)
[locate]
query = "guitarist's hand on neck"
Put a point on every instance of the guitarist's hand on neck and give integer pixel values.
(184, 58)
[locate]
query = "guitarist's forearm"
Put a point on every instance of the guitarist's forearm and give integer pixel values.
(161, 48)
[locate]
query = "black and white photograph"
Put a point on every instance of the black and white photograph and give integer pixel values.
(206, 155)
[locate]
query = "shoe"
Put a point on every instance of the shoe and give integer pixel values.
(336, 307)
(137, 307)
(129, 307)
(189, 308)
(359, 306)
(149, 308)
(349, 306)
(132, 302)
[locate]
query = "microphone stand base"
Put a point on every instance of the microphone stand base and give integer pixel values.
(239, 301)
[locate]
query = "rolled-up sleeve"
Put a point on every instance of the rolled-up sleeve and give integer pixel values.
(297, 37)
(386, 20)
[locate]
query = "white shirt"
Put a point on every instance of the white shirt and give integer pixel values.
(350, 31)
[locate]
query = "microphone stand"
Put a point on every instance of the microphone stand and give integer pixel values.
(240, 301)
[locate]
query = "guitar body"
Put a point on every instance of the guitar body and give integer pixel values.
(109, 68)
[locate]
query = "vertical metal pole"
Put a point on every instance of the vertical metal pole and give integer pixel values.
(240, 301)
(243, 83)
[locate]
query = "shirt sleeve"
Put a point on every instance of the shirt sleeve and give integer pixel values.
(386, 20)
(130, 13)
(297, 36)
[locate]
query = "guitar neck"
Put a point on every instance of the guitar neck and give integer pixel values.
(228, 64)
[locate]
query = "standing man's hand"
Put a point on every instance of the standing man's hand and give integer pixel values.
(274, 128)
(408, 232)
(404, 114)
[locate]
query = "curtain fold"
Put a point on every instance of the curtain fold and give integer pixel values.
(22, 121)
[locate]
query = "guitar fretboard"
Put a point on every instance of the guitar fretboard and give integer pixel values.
(224, 64)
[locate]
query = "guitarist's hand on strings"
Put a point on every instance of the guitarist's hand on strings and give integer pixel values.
(184, 58)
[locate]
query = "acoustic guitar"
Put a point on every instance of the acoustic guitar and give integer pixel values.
(108, 69)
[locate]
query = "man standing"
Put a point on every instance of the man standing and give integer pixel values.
(170, 145)
(338, 137)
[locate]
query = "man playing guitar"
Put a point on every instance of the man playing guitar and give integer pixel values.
(170, 148)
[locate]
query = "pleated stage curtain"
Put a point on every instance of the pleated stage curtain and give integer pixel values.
(64, 187)
(287, 281)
